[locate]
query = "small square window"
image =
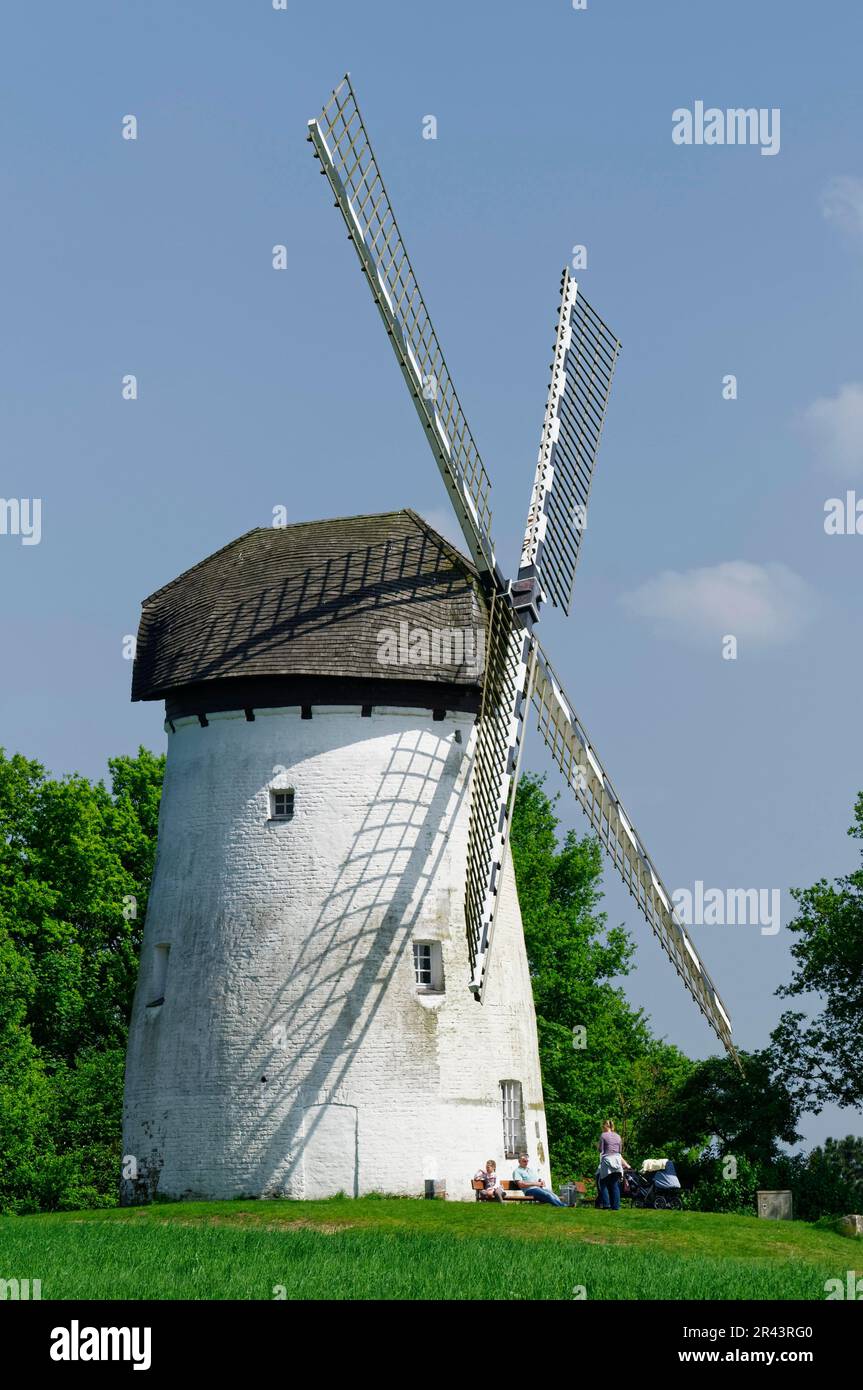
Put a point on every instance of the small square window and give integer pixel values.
(282, 804)
(428, 967)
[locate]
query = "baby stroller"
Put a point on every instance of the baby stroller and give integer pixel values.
(656, 1186)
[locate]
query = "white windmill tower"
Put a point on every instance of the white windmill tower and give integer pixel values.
(346, 703)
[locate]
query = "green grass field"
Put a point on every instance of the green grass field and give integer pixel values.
(391, 1248)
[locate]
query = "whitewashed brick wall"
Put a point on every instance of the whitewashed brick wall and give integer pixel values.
(293, 1054)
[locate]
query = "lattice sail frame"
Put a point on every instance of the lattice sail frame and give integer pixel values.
(585, 353)
(497, 756)
(341, 143)
(571, 749)
(517, 669)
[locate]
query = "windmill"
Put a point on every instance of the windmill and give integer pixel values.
(518, 673)
(305, 1020)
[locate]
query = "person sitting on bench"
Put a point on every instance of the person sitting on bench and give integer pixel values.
(530, 1182)
(491, 1188)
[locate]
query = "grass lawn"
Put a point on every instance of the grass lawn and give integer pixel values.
(392, 1248)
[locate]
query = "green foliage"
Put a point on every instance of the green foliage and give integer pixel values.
(24, 1088)
(746, 1113)
(829, 1181)
(821, 1059)
(707, 1188)
(75, 865)
(825, 1184)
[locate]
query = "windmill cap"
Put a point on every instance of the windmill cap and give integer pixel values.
(340, 605)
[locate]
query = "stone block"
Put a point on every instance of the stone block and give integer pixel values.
(851, 1226)
(775, 1206)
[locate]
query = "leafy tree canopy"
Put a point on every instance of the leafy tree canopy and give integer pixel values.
(75, 865)
(719, 1108)
(821, 1058)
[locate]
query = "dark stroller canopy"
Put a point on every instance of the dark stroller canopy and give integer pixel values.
(666, 1180)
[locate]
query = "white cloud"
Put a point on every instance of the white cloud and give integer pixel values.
(834, 427)
(842, 203)
(761, 605)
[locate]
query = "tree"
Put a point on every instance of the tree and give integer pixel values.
(75, 866)
(830, 1180)
(24, 1089)
(821, 1059)
(718, 1110)
(656, 1080)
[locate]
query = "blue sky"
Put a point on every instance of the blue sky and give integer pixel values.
(259, 388)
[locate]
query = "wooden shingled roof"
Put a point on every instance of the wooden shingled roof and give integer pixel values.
(311, 599)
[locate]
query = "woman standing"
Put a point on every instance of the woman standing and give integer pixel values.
(611, 1166)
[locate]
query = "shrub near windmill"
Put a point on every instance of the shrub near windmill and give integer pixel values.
(333, 893)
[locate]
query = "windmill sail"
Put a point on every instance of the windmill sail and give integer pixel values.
(585, 354)
(516, 669)
(574, 754)
(342, 145)
(497, 754)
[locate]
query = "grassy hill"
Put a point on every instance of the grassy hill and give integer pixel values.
(394, 1248)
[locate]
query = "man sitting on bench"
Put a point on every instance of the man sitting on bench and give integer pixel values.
(531, 1183)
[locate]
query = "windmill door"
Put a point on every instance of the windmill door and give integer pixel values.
(330, 1150)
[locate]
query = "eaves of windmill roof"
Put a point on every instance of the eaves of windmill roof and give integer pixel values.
(311, 600)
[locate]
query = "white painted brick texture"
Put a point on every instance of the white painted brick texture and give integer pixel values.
(293, 1055)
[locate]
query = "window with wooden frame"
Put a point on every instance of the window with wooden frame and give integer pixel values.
(428, 967)
(514, 1135)
(282, 804)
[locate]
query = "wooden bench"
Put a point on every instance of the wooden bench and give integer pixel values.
(511, 1193)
